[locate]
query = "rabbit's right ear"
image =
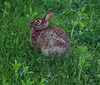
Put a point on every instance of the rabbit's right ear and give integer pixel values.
(48, 16)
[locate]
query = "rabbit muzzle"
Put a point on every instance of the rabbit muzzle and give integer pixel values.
(33, 27)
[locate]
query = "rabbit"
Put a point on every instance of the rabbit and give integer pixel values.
(49, 40)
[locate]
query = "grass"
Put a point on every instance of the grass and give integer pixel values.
(20, 63)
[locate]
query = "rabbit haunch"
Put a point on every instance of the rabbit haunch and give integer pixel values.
(54, 41)
(49, 40)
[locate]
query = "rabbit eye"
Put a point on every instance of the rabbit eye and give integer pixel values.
(38, 21)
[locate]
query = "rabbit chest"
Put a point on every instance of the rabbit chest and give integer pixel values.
(34, 36)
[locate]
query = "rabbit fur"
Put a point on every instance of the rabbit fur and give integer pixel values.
(49, 40)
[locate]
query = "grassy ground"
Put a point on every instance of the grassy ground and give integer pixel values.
(20, 63)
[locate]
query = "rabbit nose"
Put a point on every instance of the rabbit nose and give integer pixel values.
(30, 25)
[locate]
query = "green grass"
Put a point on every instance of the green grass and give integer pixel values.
(20, 63)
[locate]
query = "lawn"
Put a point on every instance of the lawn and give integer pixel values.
(20, 62)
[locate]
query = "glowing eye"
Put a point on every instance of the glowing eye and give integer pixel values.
(37, 22)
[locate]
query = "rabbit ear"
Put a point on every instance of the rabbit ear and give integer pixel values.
(48, 16)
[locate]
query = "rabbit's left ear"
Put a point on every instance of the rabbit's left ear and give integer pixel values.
(48, 16)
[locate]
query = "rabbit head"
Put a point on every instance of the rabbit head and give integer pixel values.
(41, 23)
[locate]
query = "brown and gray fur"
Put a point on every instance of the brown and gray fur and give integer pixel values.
(49, 40)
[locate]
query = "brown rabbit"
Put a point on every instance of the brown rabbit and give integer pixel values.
(49, 40)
